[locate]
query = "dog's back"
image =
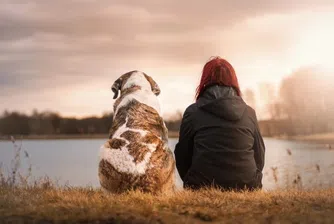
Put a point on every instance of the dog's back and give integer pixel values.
(137, 154)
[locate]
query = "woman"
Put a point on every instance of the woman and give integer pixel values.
(220, 143)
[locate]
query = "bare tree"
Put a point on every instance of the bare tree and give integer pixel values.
(249, 98)
(306, 98)
(276, 110)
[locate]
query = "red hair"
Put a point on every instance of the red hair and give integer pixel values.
(218, 71)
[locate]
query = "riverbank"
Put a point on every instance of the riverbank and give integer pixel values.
(325, 138)
(84, 205)
(171, 134)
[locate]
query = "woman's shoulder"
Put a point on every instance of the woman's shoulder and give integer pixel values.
(190, 112)
(251, 111)
(191, 108)
(252, 114)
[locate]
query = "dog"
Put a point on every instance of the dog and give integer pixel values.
(137, 155)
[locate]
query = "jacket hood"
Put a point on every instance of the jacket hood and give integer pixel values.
(223, 102)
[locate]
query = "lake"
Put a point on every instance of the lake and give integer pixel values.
(74, 162)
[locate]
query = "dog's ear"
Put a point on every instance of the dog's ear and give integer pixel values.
(116, 87)
(154, 86)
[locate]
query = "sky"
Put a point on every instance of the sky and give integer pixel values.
(64, 55)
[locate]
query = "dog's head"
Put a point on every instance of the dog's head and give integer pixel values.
(135, 79)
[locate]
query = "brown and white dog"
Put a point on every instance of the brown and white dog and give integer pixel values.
(137, 155)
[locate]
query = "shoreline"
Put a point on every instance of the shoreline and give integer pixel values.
(171, 134)
(325, 138)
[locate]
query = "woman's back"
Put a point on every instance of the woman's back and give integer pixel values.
(223, 140)
(219, 142)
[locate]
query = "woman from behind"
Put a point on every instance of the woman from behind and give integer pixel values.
(220, 144)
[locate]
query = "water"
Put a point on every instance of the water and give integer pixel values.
(74, 162)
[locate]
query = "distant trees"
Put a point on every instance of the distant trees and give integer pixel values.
(42, 123)
(276, 110)
(47, 123)
(249, 97)
(14, 123)
(306, 101)
(55, 122)
(174, 123)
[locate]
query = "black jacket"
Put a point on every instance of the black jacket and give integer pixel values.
(220, 143)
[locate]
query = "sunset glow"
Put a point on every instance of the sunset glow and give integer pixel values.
(68, 64)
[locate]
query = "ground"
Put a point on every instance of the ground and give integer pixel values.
(84, 205)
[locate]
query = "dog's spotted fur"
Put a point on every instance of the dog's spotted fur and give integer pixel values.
(137, 154)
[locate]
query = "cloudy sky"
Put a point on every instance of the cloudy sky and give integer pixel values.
(64, 55)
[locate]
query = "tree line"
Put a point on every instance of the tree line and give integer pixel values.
(304, 106)
(51, 123)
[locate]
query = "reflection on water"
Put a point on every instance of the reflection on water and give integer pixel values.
(74, 162)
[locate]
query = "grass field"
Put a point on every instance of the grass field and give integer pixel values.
(46, 204)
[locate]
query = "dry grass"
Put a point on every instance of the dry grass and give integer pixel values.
(83, 205)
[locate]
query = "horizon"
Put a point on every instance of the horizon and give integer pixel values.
(68, 63)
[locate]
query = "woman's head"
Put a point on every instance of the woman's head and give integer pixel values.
(220, 72)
